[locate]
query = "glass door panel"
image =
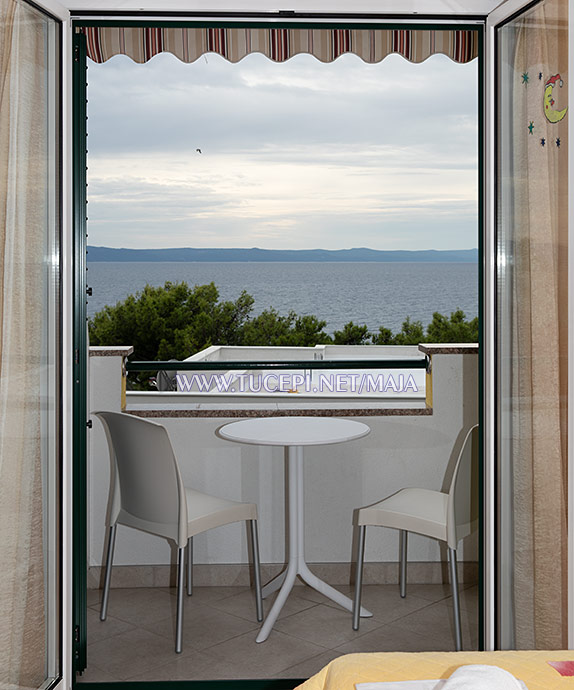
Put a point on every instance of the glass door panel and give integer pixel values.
(30, 622)
(532, 330)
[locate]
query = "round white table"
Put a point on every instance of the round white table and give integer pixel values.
(294, 433)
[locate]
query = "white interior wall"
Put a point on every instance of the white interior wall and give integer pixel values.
(400, 451)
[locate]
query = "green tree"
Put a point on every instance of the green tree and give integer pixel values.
(454, 330)
(270, 328)
(176, 321)
(384, 337)
(442, 329)
(352, 334)
(173, 321)
(411, 333)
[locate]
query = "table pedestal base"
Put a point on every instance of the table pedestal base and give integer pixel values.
(297, 566)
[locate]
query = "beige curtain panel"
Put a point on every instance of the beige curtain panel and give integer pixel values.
(23, 204)
(141, 44)
(540, 327)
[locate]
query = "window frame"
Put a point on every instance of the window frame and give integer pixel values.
(284, 20)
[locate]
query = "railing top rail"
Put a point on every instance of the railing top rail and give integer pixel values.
(390, 363)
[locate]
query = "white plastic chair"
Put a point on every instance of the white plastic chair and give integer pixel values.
(148, 494)
(448, 517)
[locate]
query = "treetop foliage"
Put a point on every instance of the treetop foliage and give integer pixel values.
(176, 321)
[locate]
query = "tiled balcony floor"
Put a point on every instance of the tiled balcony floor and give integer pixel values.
(137, 640)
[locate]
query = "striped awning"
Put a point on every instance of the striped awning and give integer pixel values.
(188, 44)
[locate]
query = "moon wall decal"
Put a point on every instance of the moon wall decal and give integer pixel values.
(552, 115)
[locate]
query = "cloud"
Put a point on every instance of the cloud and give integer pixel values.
(222, 107)
(299, 154)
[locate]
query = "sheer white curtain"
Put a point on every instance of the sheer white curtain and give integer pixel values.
(24, 217)
(534, 326)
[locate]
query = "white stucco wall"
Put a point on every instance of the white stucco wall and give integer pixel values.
(400, 451)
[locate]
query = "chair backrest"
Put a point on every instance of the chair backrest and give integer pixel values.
(462, 512)
(148, 477)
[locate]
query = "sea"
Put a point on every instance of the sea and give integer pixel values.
(372, 293)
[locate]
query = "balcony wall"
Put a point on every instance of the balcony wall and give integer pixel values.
(404, 448)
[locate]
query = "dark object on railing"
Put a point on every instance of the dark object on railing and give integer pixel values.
(419, 363)
(165, 379)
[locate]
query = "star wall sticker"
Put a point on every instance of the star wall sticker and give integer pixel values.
(543, 142)
(558, 142)
(525, 78)
(539, 76)
(531, 127)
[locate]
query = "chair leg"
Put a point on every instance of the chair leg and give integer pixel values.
(359, 577)
(403, 538)
(455, 599)
(256, 569)
(179, 615)
(190, 566)
(108, 576)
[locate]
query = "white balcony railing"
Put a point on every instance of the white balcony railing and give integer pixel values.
(401, 383)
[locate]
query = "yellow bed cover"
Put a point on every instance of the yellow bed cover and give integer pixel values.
(528, 666)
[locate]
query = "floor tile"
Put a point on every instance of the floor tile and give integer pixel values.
(383, 601)
(204, 626)
(323, 625)
(263, 660)
(468, 600)
(141, 605)
(387, 638)
(306, 669)
(94, 597)
(133, 652)
(386, 603)
(206, 595)
(196, 666)
(435, 623)
(243, 604)
(93, 674)
(136, 642)
(434, 592)
(100, 630)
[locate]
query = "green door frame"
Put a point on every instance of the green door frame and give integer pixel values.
(80, 365)
(80, 411)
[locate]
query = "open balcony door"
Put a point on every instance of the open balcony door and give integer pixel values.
(528, 333)
(34, 625)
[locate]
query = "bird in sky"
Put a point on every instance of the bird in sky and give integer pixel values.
(198, 150)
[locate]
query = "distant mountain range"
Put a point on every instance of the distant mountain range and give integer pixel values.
(222, 255)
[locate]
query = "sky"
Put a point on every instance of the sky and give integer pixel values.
(296, 155)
